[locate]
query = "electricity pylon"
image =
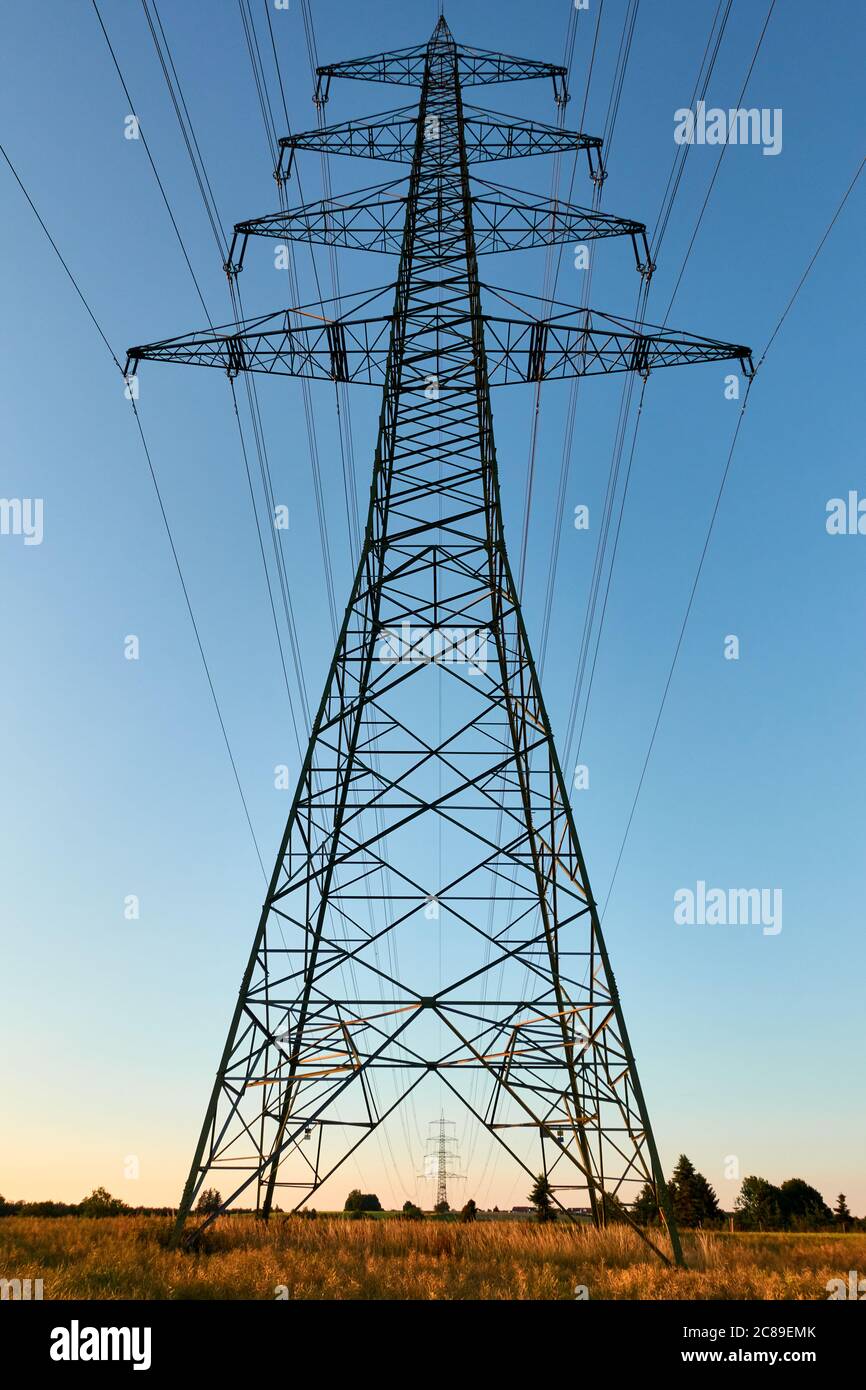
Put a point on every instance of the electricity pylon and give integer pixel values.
(443, 1162)
(409, 827)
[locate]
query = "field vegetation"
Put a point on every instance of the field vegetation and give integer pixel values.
(391, 1257)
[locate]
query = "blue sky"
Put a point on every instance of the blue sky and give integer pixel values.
(116, 779)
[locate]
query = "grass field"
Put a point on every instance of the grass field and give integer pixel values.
(126, 1257)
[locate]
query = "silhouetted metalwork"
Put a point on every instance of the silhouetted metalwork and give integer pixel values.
(409, 826)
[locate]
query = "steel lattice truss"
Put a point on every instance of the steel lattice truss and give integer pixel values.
(431, 800)
(475, 66)
(487, 135)
(505, 219)
(578, 343)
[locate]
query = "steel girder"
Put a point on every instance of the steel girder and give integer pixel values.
(488, 135)
(406, 66)
(372, 219)
(582, 342)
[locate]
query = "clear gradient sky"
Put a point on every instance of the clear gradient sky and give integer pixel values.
(116, 781)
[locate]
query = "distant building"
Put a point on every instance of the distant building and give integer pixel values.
(570, 1211)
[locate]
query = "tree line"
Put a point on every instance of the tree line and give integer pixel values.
(98, 1203)
(760, 1205)
(793, 1205)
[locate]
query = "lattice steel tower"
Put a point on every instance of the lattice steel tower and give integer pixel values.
(443, 1162)
(405, 825)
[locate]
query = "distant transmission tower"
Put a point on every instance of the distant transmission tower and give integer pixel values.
(405, 827)
(442, 1160)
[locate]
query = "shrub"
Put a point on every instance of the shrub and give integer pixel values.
(101, 1203)
(362, 1201)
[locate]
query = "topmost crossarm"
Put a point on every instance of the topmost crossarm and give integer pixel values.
(405, 66)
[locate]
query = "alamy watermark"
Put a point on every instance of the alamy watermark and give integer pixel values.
(22, 516)
(846, 516)
(77, 1343)
(15, 1290)
(852, 1287)
(712, 907)
(736, 126)
(410, 644)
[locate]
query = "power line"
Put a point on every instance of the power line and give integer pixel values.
(267, 110)
(701, 84)
(162, 510)
(718, 164)
(712, 523)
(571, 412)
(192, 144)
(184, 119)
(658, 235)
(679, 161)
(625, 43)
(702, 79)
(153, 165)
(269, 122)
(350, 494)
(611, 567)
(555, 253)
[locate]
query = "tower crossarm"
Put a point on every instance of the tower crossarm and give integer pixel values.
(489, 135)
(509, 219)
(353, 350)
(519, 350)
(402, 66)
(405, 67)
(506, 219)
(589, 343)
(480, 66)
(388, 135)
(496, 135)
(369, 219)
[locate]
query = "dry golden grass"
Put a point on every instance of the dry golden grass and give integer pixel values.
(126, 1257)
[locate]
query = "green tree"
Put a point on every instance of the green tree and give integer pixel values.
(362, 1201)
(442, 1208)
(841, 1214)
(692, 1198)
(803, 1207)
(469, 1212)
(759, 1205)
(612, 1208)
(412, 1212)
(209, 1201)
(101, 1203)
(540, 1197)
(645, 1209)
